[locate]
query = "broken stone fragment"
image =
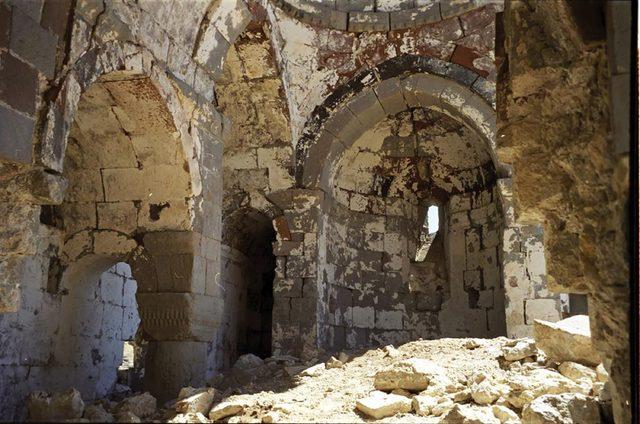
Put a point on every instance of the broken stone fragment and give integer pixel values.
(471, 344)
(422, 404)
(229, 407)
(564, 408)
(411, 374)
(486, 392)
(126, 417)
(343, 357)
(521, 349)
(333, 363)
(462, 396)
(577, 372)
(295, 369)
(505, 415)
(97, 414)
(248, 361)
(470, 414)
(67, 405)
(190, 417)
(199, 402)
(529, 385)
(271, 417)
(379, 404)
(391, 351)
(567, 340)
(444, 405)
(142, 405)
(602, 374)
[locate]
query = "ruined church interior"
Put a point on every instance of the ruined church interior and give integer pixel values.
(318, 211)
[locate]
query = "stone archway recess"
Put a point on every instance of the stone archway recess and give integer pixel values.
(412, 81)
(179, 314)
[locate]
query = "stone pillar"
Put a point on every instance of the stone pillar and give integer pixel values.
(180, 310)
(524, 273)
(296, 285)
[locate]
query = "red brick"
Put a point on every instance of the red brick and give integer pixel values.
(464, 56)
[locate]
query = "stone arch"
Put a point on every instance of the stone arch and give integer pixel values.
(423, 84)
(122, 61)
(374, 15)
(131, 199)
(393, 86)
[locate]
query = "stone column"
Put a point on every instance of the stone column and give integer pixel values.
(180, 310)
(296, 285)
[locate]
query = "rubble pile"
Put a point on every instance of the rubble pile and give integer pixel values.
(448, 380)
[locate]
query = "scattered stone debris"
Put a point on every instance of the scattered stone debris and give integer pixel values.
(380, 404)
(440, 381)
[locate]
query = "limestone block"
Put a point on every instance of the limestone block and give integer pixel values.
(153, 184)
(379, 404)
(179, 316)
(199, 402)
(567, 340)
(562, 408)
(519, 349)
(411, 374)
(170, 214)
(389, 320)
(505, 415)
(112, 243)
(231, 406)
(423, 404)
(190, 417)
(528, 385)
(67, 405)
(470, 414)
(85, 185)
(577, 372)
(542, 309)
(363, 317)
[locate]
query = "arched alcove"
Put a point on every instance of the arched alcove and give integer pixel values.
(128, 176)
(247, 271)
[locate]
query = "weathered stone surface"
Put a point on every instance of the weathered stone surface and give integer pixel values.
(126, 417)
(505, 415)
(531, 384)
(199, 402)
(67, 405)
(379, 404)
(190, 417)
(142, 405)
(520, 350)
(470, 414)
(411, 374)
(577, 372)
(567, 340)
(562, 409)
(248, 361)
(334, 363)
(423, 404)
(97, 414)
(229, 407)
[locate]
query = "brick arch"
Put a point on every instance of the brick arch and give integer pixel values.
(393, 86)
